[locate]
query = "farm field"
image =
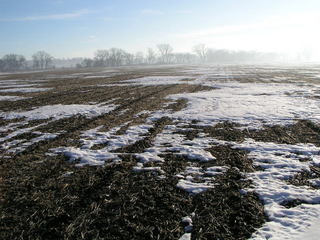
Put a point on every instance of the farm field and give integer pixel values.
(161, 152)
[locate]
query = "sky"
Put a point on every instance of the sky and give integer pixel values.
(77, 28)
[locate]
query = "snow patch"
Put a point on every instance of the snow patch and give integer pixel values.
(280, 162)
(250, 104)
(25, 90)
(59, 111)
(12, 98)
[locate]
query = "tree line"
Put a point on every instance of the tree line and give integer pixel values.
(41, 60)
(114, 57)
(164, 54)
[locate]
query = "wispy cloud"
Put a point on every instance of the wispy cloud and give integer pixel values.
(60, 16)
(151, 12)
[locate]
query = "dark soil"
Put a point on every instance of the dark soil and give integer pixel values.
(141, 145)
(303, 131)
(227, 156)
(302, 178)
(225, 213)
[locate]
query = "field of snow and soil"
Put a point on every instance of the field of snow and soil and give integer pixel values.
(188, 152)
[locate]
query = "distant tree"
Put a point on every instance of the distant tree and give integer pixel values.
(87, 62)
(1, 65)
(42, 60)
(13, 62)
(116, 57)
(202, 51)
(183, 58)
(165, 51)
(128, 58)
(112, 57)
(151, 56)
(101, 58)
(139, 58)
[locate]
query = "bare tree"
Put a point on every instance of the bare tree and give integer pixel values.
(183, 58)
(101, 58)
(139, 58)
(87, 62)
(202, 51)
(151, 56)
(13, 62)
(165, 51)
(128, 58)
(41, 60)
(1, 65)
(116, 57)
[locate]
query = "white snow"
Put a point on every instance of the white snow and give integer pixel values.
(186, 236)
(15, 133)
(18, 146)
(11, 98)
(86, 156)
(25, 90)
(59, 111)
(52, 112)
(18, 85)
(141, 168)
(280, 162)
(97, 76)
(193, 187)
(148, 157)
(158, 80)
(249, 104)
(315, 182)
(114, 141)
(312, 232)
(15, 129)
(153, 81)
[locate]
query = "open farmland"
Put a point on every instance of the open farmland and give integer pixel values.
(184, 152)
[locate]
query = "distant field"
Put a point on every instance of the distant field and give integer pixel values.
(187, 152)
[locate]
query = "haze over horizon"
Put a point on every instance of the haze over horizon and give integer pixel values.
(77, 28)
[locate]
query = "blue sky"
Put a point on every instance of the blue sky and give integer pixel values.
(73, 28)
